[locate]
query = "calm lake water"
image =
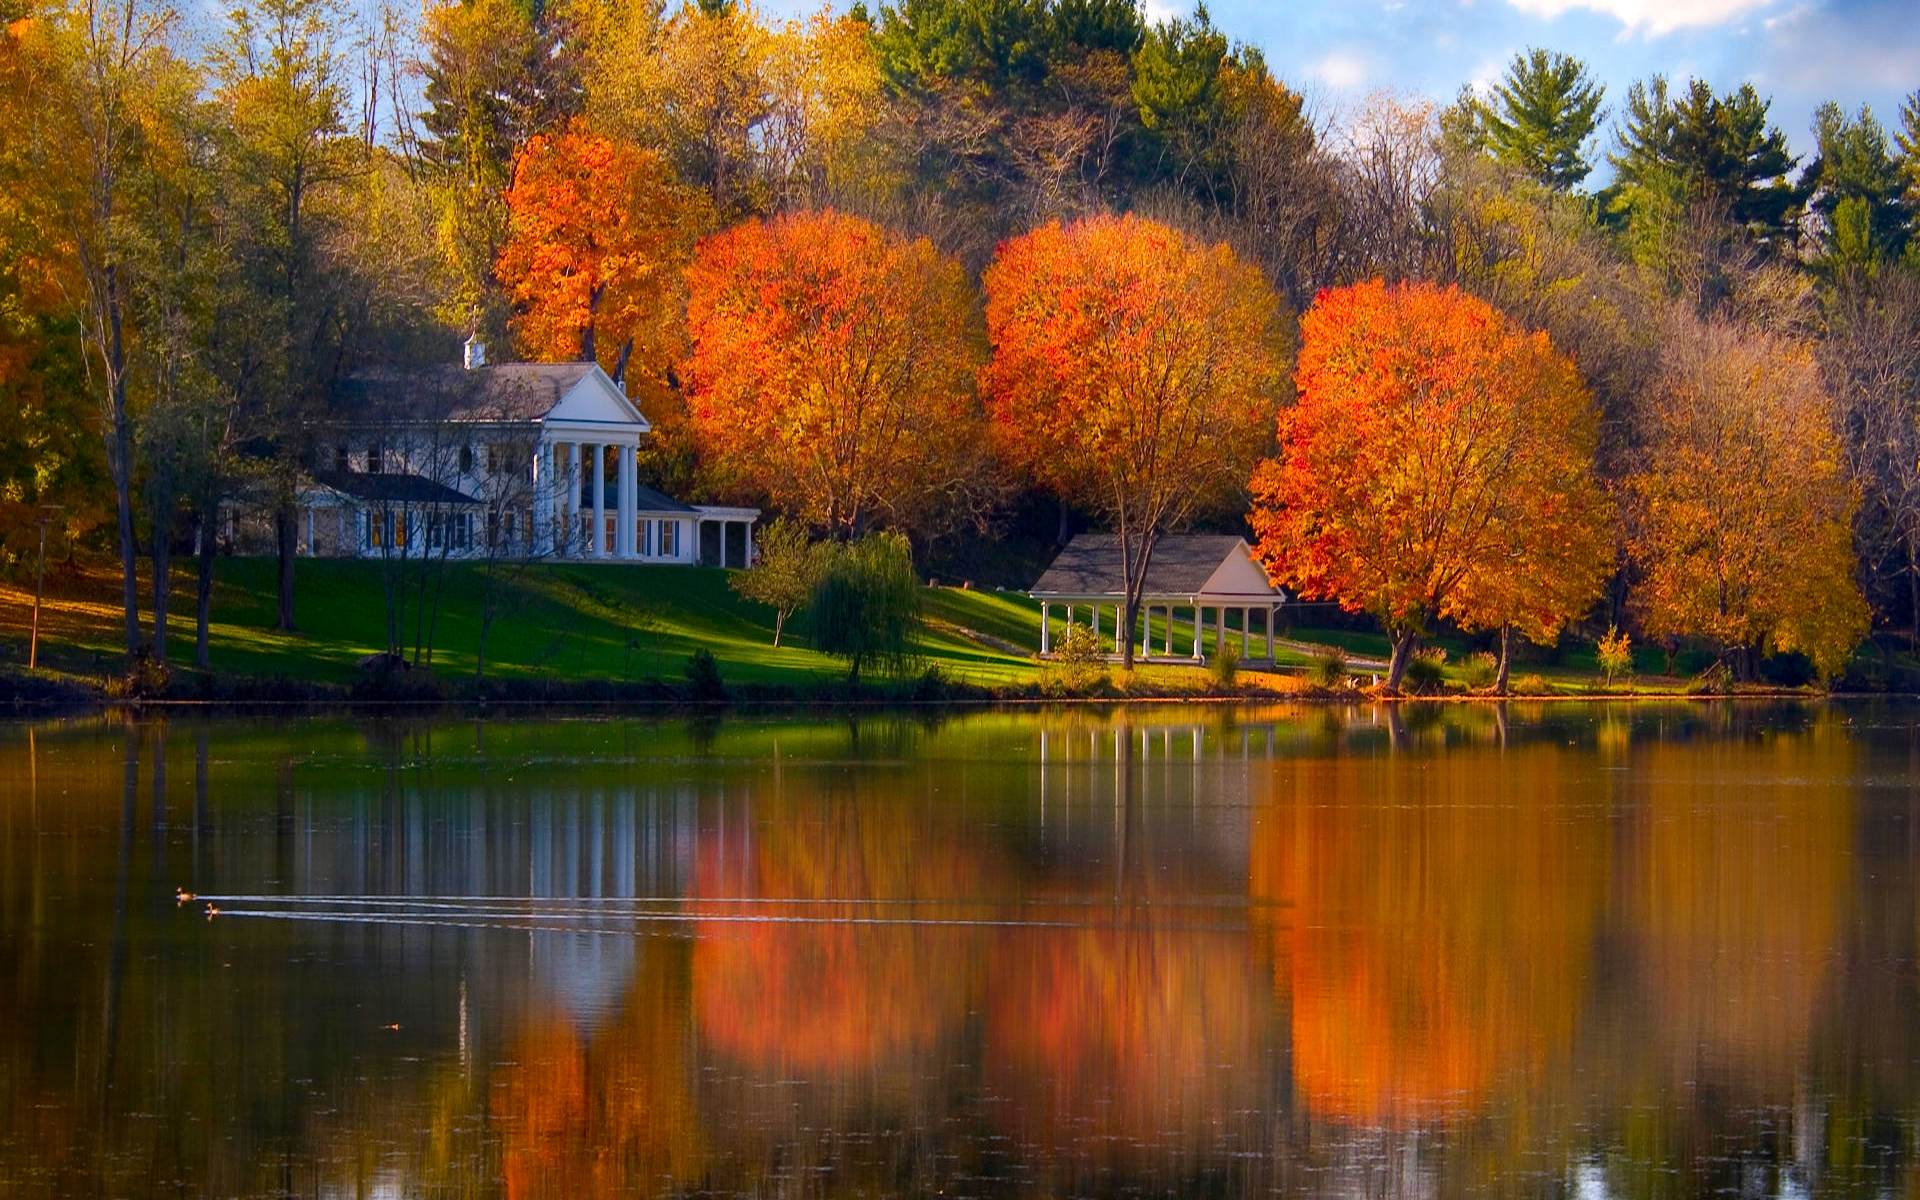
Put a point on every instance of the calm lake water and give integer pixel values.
(1566, 950)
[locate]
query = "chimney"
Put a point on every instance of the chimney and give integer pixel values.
(475, 356)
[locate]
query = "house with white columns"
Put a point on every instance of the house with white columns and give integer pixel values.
(527, 460)
(1193, 580)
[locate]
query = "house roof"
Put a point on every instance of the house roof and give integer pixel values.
(647, 500)
(387, 488)
(1182, 565)
(507, 392)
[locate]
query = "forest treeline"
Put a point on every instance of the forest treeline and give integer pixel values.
(854, 267)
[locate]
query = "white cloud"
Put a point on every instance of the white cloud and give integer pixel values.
(1340, 70)
(1159, 11)
(1654, 17)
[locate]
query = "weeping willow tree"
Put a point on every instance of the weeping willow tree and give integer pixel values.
(866, 606)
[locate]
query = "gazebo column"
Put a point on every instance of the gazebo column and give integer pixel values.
(1270, 650)
(1199, 631)
(1094, 609)
(1120, 633)
(1046, 628)
(1146, 630)
(1169, 611)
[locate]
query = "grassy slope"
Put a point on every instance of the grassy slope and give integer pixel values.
(624, 622)
(574, 622)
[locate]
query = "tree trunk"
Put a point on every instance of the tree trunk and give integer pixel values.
(779, 625)
(120, 465)
(1405, 641)
(203, 597)
(1506, 657)
(162, 551)
(1913, 596)
(286, 528)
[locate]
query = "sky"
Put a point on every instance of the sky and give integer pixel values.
(1799, 52)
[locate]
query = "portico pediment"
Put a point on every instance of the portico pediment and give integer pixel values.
(596, 405)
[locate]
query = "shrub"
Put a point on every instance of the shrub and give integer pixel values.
(1716, 680)
(1615, 653)
(1792, 669)
(785, 571)
(1529, 685)
(931, 686)
(1080, 658)
(1225, 666)
(703, 677)
(1328, 668)
(1481, 670)
(1425, 672)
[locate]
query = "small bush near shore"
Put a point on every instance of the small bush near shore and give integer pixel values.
(1529, 685)
(1080, 659)
(1425, 673)
(1481, 670)
(1225, 666)
(703, 677)
(1328, 668)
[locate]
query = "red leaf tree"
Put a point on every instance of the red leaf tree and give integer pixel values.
(832, 370)
(601, 233)
(1135, 371)
(1439, 463)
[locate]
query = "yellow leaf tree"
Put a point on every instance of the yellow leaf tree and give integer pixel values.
(1742, 508)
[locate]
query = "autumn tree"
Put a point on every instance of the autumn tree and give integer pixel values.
(1742, 510)
(1135, 371)
(496, 76)
(106, 75)
(593, 264)
(1439, 464)
(832, 371)
(786, 569)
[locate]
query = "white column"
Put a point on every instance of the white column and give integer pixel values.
(624, 547)
(1199, 632)
(599, 468)
(1146, 631)
(1046, 629)
(1269, 633)
(1168, 610)
(1095, 609)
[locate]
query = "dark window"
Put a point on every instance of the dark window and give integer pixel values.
(466, 460)
(374, 464)
(342, 460)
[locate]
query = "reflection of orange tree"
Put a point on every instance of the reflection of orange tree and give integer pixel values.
(1107, 1036)
(1433, 927)
(605, 1115)
(823, 992)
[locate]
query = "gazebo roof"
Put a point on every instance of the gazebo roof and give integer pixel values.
(1217, 566)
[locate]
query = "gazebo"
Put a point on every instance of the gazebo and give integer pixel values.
(1196, 572)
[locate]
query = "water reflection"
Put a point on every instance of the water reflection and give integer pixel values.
(1625, 951)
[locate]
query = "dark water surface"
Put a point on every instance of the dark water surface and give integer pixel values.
(1627, 951)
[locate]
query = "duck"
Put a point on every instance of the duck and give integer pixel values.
(182, 896)
(213, 910)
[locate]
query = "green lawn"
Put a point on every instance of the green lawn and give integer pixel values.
(615, 622)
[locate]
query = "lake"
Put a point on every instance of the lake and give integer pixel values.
(1628, 950)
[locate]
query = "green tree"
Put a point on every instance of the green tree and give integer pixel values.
(282, 83)
(1856, 189)
(1541, 116)
(866, 607)
(1698, 149)
(1908, 141)
(786, 569)
(496, 76)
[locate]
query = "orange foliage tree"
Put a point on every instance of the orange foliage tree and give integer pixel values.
(832, 370)
(1439, 464)
(1743, 509)
(600, 235)
(1134, 370)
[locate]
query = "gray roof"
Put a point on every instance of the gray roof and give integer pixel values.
(1090, 566)
(507, 392)
(391, 488)
(649, 501)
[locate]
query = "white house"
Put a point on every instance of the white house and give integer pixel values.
(515, 460)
